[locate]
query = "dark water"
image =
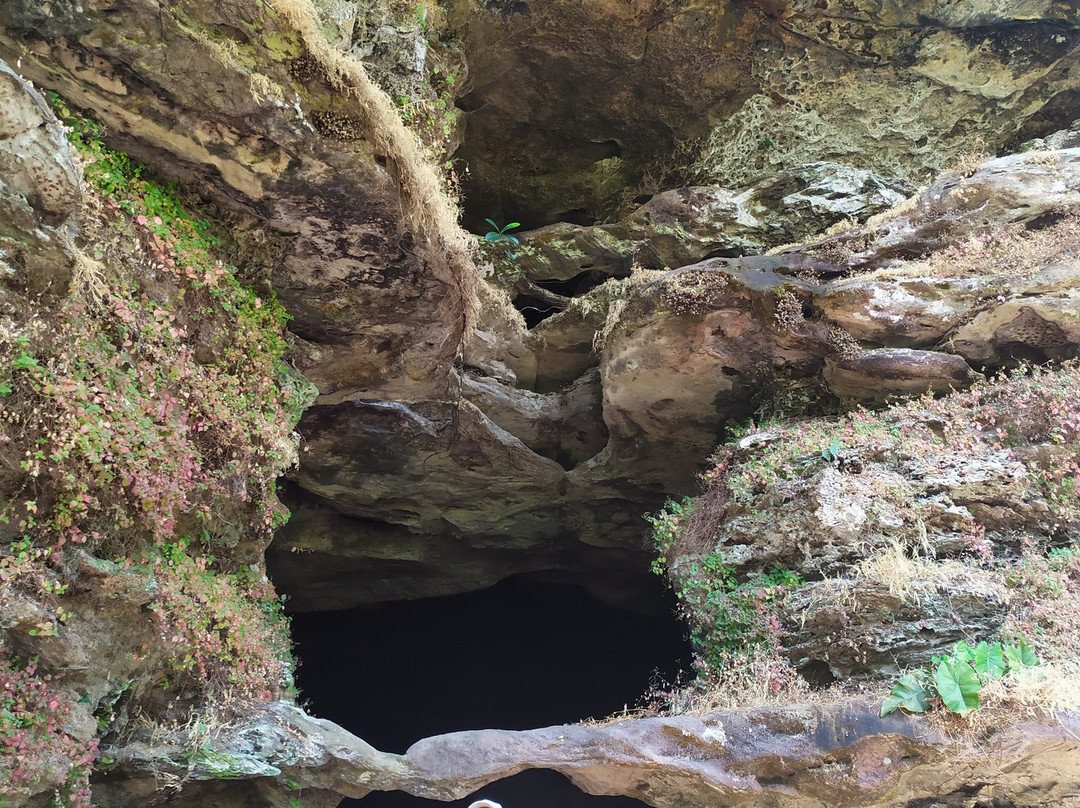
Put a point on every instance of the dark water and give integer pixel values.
(522, 654)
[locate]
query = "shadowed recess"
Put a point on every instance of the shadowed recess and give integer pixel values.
(519, 655)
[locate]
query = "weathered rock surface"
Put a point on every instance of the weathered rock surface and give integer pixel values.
(687, 225)
(849, 628)
(876, 376)
(832, 517)
(1016, 189)
(541, 445)
(571, 103)
(838, 755)
(40, 190)
(279, 146)
(682, 353)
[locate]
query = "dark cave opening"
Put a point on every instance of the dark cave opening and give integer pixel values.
(523, 654)
(536, 309)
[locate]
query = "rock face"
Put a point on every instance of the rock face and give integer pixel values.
(606, 406)
(687, 225)
(40, 190)
(452, 445)
(571, 105)
(501, 449)
(850, 629)
(837, 755)
(142, 414)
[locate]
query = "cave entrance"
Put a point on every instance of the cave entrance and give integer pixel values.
(523, 654)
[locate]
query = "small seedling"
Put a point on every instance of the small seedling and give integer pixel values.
(499, 234)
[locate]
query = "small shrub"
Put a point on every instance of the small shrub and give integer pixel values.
(498, 235)
(1045, 605)
(174, 409)
(226, 636)
(729, 619)
(34, 747)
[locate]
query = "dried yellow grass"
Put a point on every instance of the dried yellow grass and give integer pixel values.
(430, 213)
(910, 575)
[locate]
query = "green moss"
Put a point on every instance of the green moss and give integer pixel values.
(283, 46)
(207, 764)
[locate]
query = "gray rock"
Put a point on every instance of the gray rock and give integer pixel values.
(859, 628)
(40, 190)
(876, 376)
(686, 225)
(839, 754)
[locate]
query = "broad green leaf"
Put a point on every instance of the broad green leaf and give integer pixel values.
(1012, 657)
(925, 678)
(963, 652)
(1027, 656)
(989, 660)
(492, 223)
(492, 236)
(958, 686)
(512, 225)
(513, 239)
(906, 693)
(1020, 656)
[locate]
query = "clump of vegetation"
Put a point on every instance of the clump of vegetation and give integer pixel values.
(735, 624)
(144, 417)
(1046, 604)
(1032, 406)
(173, 411)
(225, 635)
(34, 743)
(957, 679)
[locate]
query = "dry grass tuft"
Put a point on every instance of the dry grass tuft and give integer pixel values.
(430, 213)
(758, 678)
(910, 575)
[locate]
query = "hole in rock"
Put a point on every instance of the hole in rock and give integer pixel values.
(523, 654)
(534, 310)
(818, 673)
(578, 216)
(579, 284)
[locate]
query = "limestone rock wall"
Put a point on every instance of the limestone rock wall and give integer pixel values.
(577, 108)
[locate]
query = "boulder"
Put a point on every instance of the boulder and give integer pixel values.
(876, 376)
(40, 191)
(686, 225)
(845, 628)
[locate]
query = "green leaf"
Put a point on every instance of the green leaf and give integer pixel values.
(1020, 656)
(24, 361)
(906, 693)
(492, 236)
(989, 660)
(958, 686)
(511, 226)
(489, 221)
(962, 652)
